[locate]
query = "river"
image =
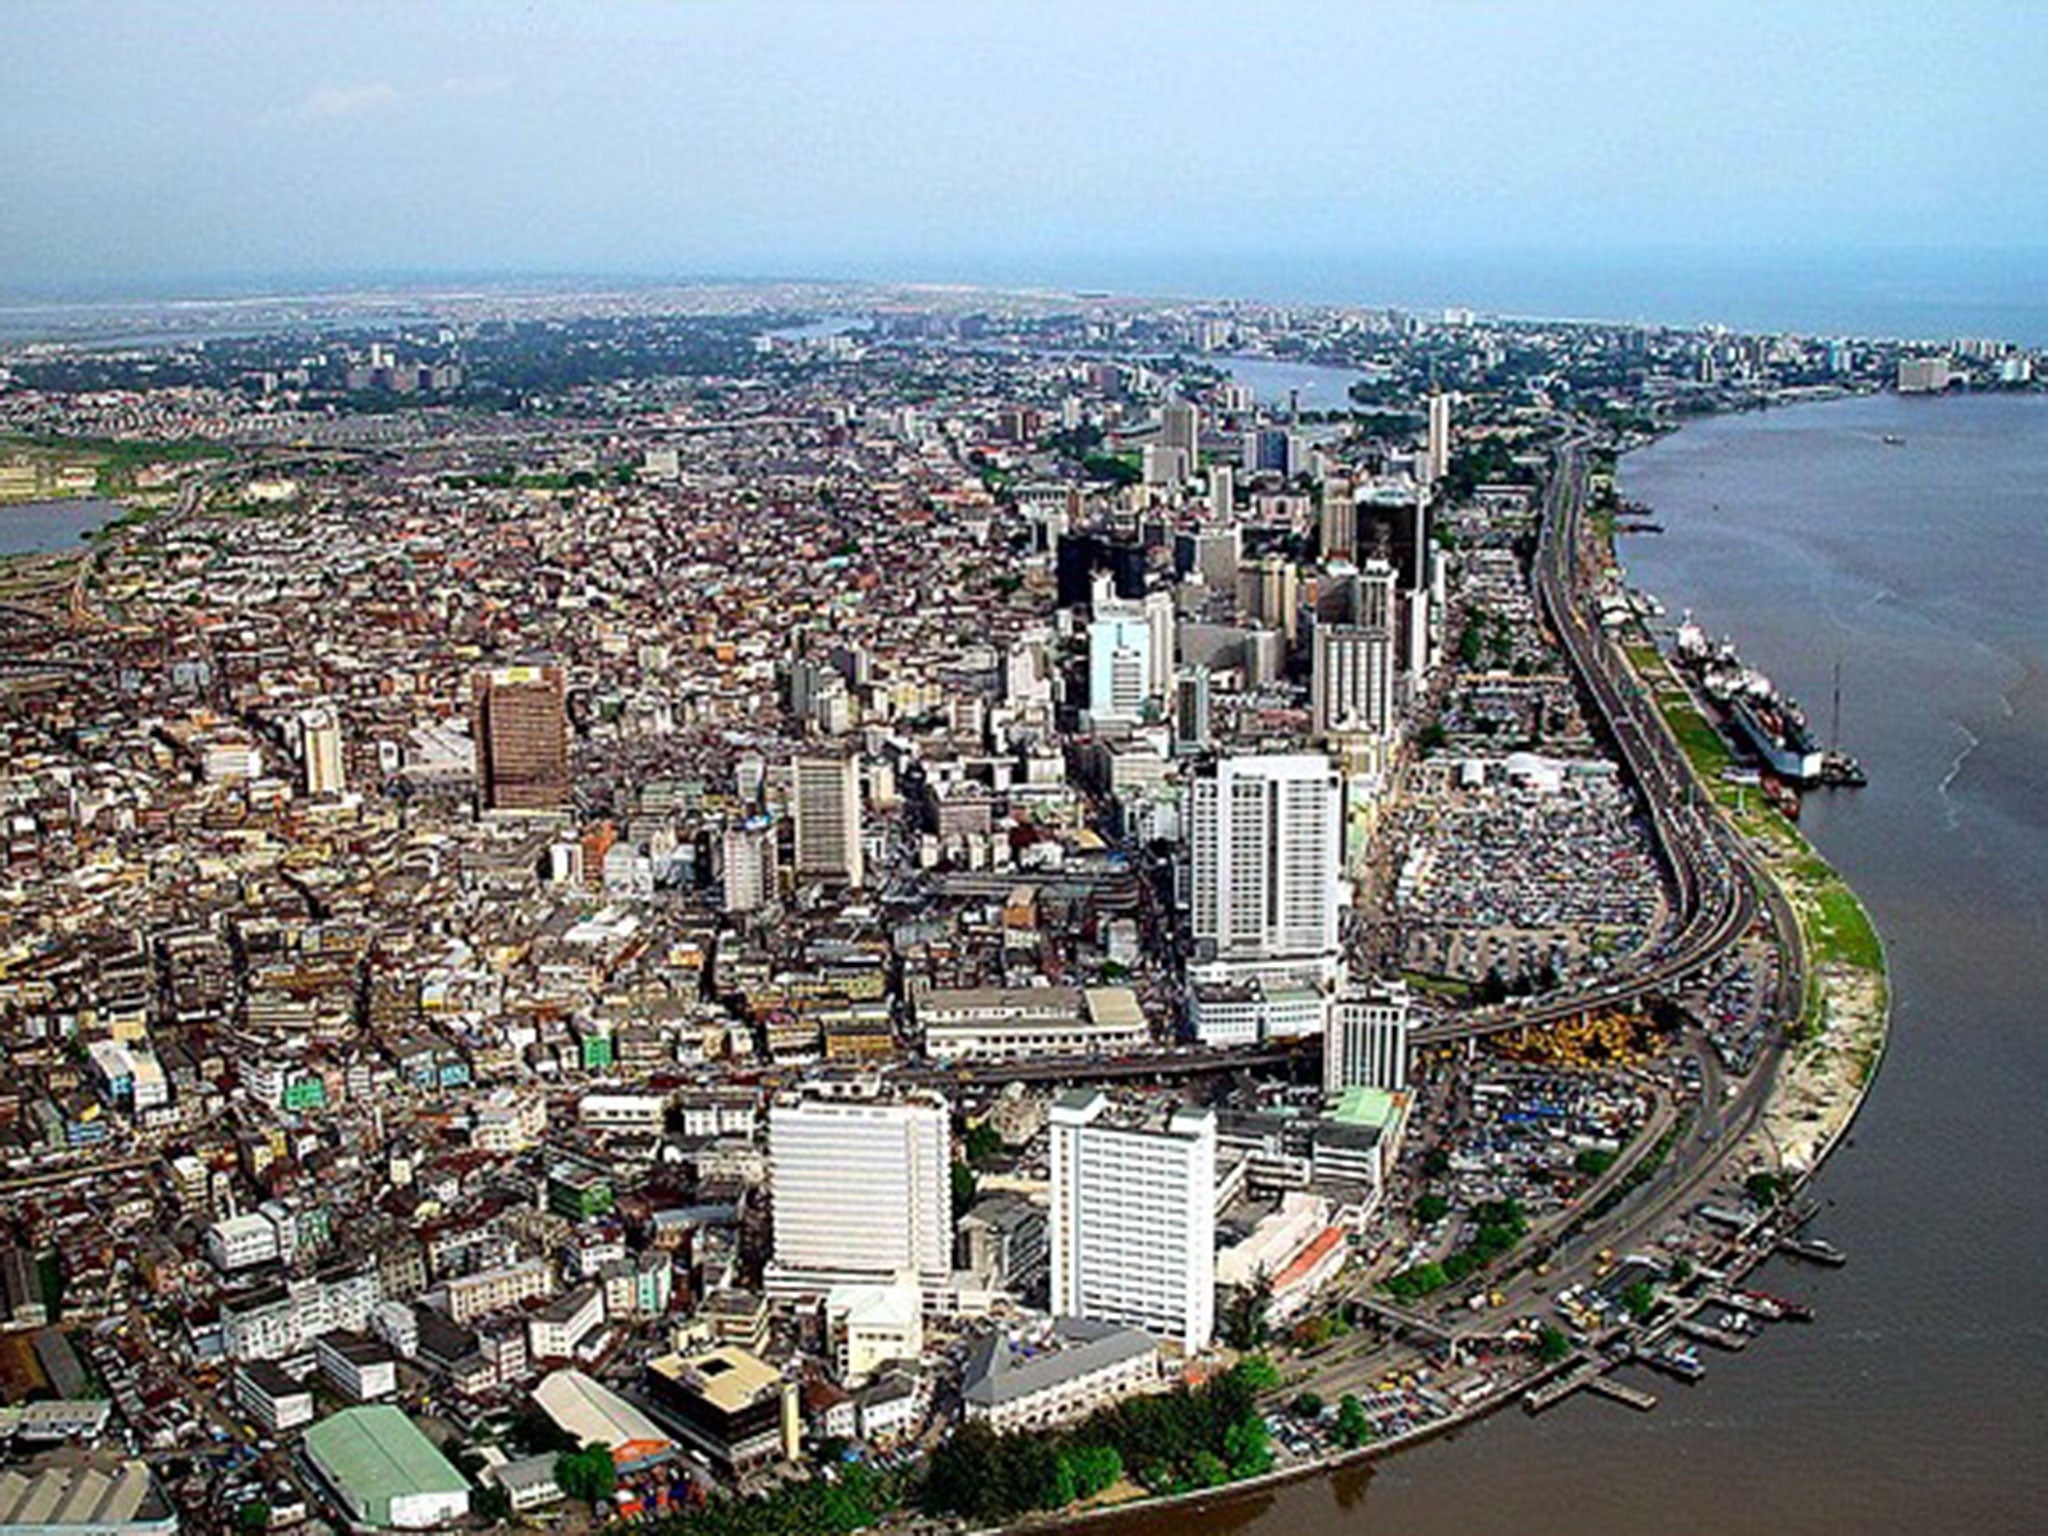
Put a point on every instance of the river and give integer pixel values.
(51, 527)
(1915, 1402)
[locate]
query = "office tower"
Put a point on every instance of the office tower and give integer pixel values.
(1192, 726)
(522, 739)
(1133, 1225)
(825, 814)
(1269, 591)
(862, 1191)
(320, 747)
(1211, 553)
(1266, 845)
(749, 865)
(1338, 524)
(1353, 669)
(1119, 668)
(1439, 437)
(1366, 1045)
(1222, 493)
(1078, 556)
(1272, 448)
(1180, 427)
(1160, 621)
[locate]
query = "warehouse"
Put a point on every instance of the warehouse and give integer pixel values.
(384, 1471)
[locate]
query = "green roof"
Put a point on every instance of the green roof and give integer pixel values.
(375, 1454)
(1375, 1107)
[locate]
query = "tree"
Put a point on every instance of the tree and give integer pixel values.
(1308, 1405)
(253, 1516)
(1244, 1315)
(983, 1145)
(1353, 1428)
(587, 1474)
(1257, 1373)
(965, 1186)
(1431, 1209)
(491, 1503)
(1764, 1187)
(1551, 1344)
(1638, 1299)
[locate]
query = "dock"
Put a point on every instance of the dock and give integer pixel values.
(1622, 1392)
(1582, 1371)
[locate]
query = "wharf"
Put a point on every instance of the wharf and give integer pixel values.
(1622, 1392)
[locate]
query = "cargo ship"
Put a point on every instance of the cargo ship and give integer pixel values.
(1767, 722)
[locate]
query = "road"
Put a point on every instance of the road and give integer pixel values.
(1721, 893)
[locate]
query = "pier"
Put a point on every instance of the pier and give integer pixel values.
(1621, 1392)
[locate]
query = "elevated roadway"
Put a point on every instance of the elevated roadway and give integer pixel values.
(1720, 893)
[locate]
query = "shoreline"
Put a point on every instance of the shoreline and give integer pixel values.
(1822, 1083)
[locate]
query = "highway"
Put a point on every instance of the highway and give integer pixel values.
(1717, 884)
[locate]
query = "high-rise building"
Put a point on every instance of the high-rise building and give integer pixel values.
(1354, 672)
(1180, 426)
(1366, 1045)
(1222, 493)
(320, 749)
(1192, 724)
(1266, 847)
(522, 738)
(862, 1192)
(749, 865)
(1439, 437)
(825, 812)
(1119, 667)
(1338, 519)
(1133, 1224)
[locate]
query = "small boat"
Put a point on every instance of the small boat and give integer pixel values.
(1893, 440)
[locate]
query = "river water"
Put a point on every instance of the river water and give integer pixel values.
(51, 527)
(1917, 1402)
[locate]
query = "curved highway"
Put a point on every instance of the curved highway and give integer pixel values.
(1713, 873)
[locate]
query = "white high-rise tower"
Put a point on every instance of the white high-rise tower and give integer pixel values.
(1133, 1226)
(1266, 843)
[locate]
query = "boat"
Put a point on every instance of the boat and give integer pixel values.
(1893, 440)
(1679, 1360)
(1783, 797)
(1791, 1311)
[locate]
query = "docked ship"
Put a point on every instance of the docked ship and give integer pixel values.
(1769, 723)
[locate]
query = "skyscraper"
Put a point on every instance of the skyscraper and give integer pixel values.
(1222, 493)
(1338, 521)
(1119, 668)
(862, 1191)
(1366, 1045)
(1133, 1226)
(1439, 459)
(825, 810)
(522, 738)
(749, 865)
(1191, 710)
(1266, 851)
(1180, 426)
(1353, 671)
(320, 749)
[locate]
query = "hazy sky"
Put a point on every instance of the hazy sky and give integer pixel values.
(172, 141)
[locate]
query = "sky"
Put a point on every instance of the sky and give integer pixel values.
(147, 145)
